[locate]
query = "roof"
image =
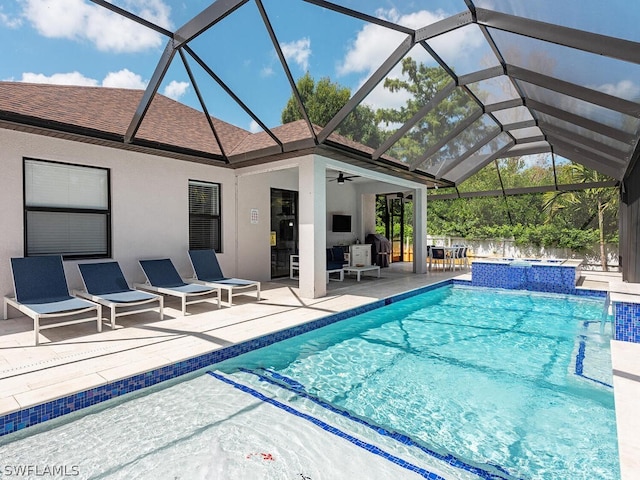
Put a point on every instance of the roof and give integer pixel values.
(535, 79)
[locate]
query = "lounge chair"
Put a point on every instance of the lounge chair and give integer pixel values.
(207, 271)
(162, 277)
(41, 292)
(105, 284)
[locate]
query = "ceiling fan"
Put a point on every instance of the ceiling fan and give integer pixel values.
(341, 178)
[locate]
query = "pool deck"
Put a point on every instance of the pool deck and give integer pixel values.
(76, 358)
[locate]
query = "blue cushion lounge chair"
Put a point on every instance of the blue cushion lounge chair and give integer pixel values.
(105, 284)
(162, 277)
(41, 292)
(208, 272)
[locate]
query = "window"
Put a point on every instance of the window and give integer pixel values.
(204, 216)
(67, 210)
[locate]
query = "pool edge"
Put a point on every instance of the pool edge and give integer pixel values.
(21, 419)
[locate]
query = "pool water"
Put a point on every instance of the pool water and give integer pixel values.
(486, 376)
(464, 382)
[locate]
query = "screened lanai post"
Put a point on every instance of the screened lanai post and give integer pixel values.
(287, 70)
(574, 90)
(443, 141)
(232, 94)
(580, 121)
(371, 83)
(420, 114)
(152, 88)
(203, 104)
(612, 47)
(481, 165)
(420, 230)
(474, 148)
(132, 16)
(312, 231)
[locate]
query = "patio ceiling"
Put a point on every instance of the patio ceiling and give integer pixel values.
(530, 78)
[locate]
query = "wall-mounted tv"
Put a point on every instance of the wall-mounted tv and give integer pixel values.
(341, 223)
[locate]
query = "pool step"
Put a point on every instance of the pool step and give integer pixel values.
(292, 394)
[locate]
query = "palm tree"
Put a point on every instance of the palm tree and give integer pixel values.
(596, 201)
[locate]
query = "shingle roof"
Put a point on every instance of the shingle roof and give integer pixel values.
(168, 126)
(110, 110)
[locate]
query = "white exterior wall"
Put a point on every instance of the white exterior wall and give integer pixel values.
(254, 191)
(342, 199)
(149, 204)
(149, 207)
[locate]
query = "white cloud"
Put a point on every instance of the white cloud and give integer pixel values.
(77, 20)
(71, 78)
(254, 127)
(298, 51)
(124, 79)
(8, 21)
(176, 89)
(373, 44)
(121, 79)
(626, 89)
(266, 71)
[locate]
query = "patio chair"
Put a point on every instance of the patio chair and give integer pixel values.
(105, 284)
(335, 263)
(162, 277)
(207, 271)
(459, 258)
(41, 292)
(438, 254)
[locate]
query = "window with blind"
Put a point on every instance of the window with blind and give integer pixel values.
(204, 216)
(67, 210)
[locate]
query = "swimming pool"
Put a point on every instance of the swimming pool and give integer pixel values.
(462, 382)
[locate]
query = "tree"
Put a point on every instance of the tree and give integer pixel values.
(596, 201)
(420, 83)
(322, 100)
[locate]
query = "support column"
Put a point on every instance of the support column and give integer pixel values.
(420, 230)
(629, 218)
(312, 196)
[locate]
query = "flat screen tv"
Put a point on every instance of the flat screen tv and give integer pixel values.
(341, 223)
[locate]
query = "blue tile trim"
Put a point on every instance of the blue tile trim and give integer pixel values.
(293, 386)
(627, 321)
(328, 428)
(37, 414)
(536, 278)
(580, 357)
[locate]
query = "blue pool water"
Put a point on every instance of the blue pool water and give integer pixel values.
(514, 384)
(464, 382)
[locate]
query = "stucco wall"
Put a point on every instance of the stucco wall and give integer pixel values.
(253, 240)
(342, 199)
(149, 203)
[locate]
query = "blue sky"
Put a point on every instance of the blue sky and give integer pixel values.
(78, 42)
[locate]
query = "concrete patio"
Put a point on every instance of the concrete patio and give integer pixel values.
(76, 358)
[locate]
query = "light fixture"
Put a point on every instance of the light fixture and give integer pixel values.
(340, 179)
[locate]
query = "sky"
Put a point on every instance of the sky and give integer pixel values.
(77, 42)
(80, 43)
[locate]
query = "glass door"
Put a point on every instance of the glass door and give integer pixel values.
(284, 230)
(395, 221)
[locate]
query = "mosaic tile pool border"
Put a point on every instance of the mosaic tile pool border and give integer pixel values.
(28, 417)
(328, 428)
(291, 385)
(537, 278)
(627, 321)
